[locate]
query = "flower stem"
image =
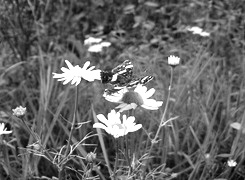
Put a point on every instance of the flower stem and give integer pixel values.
(37, 139)
(127, 148)
(61, 171)
(127, 153)
(154, 140)
(116, 161)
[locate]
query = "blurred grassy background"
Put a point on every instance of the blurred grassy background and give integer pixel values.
(208, 91)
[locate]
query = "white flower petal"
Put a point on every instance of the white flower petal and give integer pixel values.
(95, 48)
(121, 105)
(149, 93)
(129, 120)
(135, 128)
(114, 117)
(92, 40)
(102, 119)
(91, 68)
(91, 75)
(151, 104)
(70, 66)
(65, 70)
(149, 107)
(236, 125)
(3, 130)
(86, 65)
(140, 89)
(105, 44)
(99, 125)
(127, 107)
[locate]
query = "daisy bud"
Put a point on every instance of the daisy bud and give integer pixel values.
(19, 111)
(173, 60)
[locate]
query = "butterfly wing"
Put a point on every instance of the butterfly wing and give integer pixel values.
(132, 84)
(120, 75)
(142, 80)
(106, 76)
(126, 66)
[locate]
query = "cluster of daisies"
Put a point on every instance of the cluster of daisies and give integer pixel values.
(127, 98)
(115, 124)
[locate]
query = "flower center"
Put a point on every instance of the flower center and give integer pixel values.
(118, 126)
(132, 97)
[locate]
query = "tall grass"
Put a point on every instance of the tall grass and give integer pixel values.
(206, 92)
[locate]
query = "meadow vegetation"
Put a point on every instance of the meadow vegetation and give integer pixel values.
(198, 132)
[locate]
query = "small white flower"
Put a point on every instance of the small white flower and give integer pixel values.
(207, 156)
(204, 34)
(19, 111)
(3, 130)
(129, 99)
(238, 126)
(92, 40)
(105, 44)
(231, 163)
(76, 73)
(114, 126)
(95, 48)
(90, 157)
(173, 60)
(98, 47)
(198, 30)
(174, 175)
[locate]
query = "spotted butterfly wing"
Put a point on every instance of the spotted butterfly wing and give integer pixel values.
(132, 84)
(142, 80)
(119, 76)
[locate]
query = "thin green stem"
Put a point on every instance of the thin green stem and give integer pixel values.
(162, 123)
(36, 138)
(73, 122)
(165, 110)
(116, 160)
(127, 154)
(128, 148)
(30, 131)
(61, 171)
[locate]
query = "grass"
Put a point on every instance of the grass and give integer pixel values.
(206, 94)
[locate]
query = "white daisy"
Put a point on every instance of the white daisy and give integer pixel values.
(76, 73)
(231, 163)
(238, 126)
(3, 130)
(114, 126)
(95, 48)
(19, 111)
(130, 99)
(98, 47)
(92, 40)
(105, 44)
(173, 60)
(198, 30)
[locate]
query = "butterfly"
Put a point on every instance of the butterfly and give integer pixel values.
(122, 76)
(119, 76)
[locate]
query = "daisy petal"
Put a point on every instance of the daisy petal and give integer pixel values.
(102, 119)
(86, 65)
(99, 125)
(149, 93)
